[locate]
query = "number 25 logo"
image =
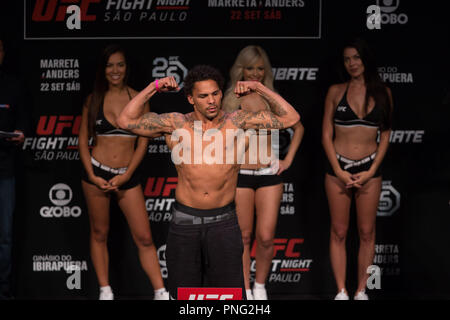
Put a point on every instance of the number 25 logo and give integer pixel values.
(169, 67)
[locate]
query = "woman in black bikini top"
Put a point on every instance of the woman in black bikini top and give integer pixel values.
(355, 112)
(111, 168)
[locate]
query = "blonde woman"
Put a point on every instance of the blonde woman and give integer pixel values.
(260, 186)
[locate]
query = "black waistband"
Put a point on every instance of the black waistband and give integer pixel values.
(204, 212)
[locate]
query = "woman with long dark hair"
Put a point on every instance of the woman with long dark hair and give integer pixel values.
(356, 111)
(110, 168)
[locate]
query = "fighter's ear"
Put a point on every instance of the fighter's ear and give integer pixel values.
(190, 99)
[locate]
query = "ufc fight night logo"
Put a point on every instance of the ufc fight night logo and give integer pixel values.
(160, 198)
(58, 10)
(209, 294)
(55, 125)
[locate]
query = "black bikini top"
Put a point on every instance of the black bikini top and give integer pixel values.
(104, 128)
(345, 116)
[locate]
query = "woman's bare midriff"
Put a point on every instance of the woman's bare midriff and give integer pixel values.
(115, 152)
(355, 142)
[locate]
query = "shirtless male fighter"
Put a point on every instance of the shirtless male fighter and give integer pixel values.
(204, 244)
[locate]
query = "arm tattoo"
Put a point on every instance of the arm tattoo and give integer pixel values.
(158, 122)
(276, 108)
(256, 120)
(178, 120)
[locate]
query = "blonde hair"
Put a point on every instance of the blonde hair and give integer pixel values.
(246, 57)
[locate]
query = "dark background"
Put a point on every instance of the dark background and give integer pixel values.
(419, 172)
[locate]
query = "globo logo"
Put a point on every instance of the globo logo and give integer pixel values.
(60, 196)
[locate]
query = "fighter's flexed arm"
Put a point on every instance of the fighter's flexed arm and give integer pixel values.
(281, 115)
(150, 124)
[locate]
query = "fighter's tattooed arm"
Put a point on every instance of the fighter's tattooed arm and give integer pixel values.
(281, 115)
(255, 120)
(154, 125)
(134, 118)
(275, 107)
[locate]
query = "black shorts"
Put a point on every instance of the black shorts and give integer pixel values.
(108, 173)
(255, 181)
(354, 166)
(204, 249)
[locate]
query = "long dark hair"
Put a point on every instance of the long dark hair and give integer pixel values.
(375, 87)
(101, 85)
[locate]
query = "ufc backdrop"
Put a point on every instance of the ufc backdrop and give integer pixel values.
(167, 37)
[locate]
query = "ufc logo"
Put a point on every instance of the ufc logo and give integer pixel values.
(55, 125)
(209, 294)
(211, 297)
(163, 186)
(284, 245)
(44, 10)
